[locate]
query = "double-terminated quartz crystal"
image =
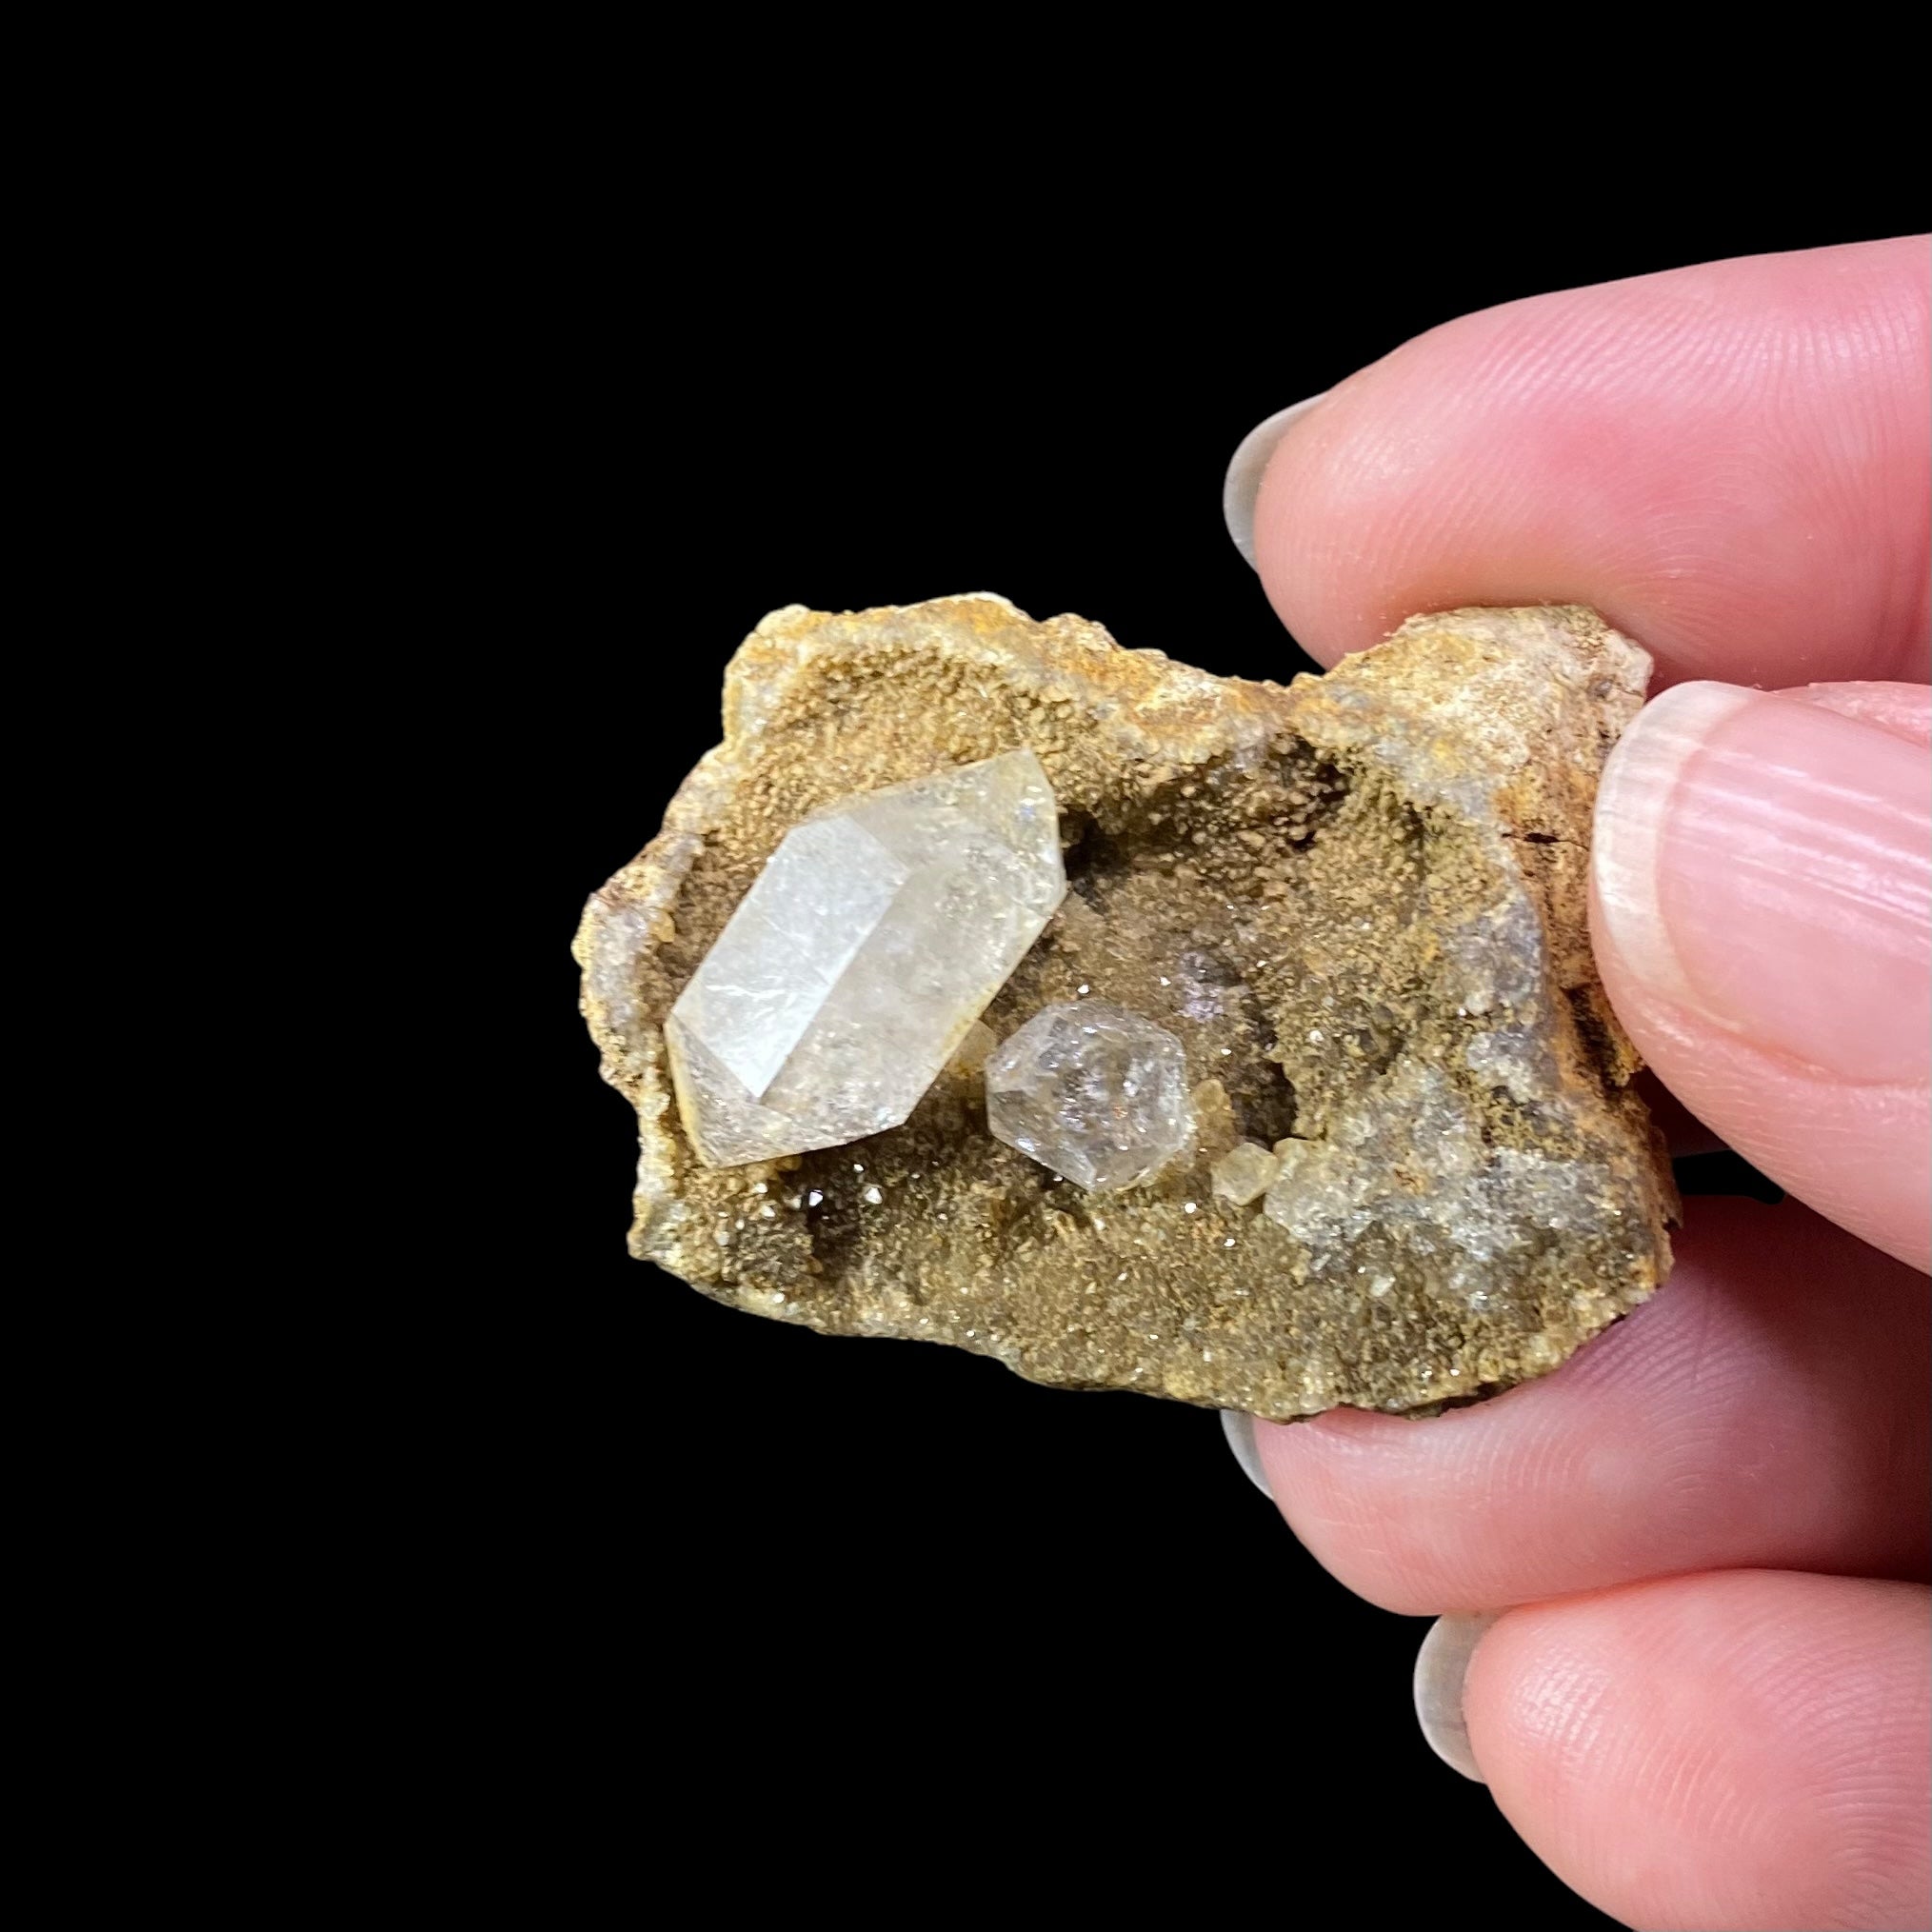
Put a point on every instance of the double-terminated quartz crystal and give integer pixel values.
(1093, 1091)
(860, 959)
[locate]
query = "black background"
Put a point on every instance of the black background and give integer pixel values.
(842, 1597)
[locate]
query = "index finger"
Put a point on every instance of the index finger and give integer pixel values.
(1732, 463)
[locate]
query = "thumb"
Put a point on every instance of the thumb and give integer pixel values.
(1761, 912)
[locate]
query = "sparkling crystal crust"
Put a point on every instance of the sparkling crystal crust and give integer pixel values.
(861, 958)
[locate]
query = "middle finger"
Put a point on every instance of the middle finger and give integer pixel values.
(1766, 1408)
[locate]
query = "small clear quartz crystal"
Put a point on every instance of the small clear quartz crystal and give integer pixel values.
(1093, 1091)
(861, 959)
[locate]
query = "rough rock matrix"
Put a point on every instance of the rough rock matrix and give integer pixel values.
(1357, 903)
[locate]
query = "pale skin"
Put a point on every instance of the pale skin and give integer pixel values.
(1712, 1706)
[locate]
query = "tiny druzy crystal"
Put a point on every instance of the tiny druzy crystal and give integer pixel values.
(1244, 1173)
(1093, 1091)
(861, 958)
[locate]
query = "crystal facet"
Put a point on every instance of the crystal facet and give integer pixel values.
(1093, 1091)
(861, 959)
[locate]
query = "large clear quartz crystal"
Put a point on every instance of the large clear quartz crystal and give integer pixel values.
(860, 959)
(1093, 1091)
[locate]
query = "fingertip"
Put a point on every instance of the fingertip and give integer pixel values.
(1737, 1749)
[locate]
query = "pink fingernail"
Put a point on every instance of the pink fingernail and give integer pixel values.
(1767, 863)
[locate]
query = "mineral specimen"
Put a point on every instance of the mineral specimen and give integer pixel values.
(1358, 906)
(1093, 1091)
(852, 969)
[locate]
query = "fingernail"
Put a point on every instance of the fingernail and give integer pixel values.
(1441, 1665)
(1239, 1429)
(1765, 863)
(1241, 484)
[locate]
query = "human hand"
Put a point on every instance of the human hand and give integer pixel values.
(1712, 1710)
